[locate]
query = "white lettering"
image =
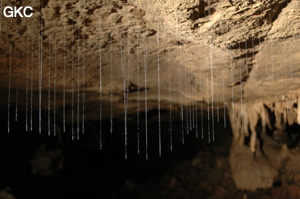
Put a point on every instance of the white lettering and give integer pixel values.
(18, 11)
(9, 13)
(25, 10)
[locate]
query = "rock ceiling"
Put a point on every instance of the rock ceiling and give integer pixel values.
(216, 50)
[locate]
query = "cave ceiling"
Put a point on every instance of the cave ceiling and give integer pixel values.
(214, 51)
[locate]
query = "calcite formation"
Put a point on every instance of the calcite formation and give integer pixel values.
(265, 144)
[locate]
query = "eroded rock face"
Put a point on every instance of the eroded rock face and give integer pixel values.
(206, 50)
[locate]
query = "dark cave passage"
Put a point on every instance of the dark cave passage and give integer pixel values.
(40, 166)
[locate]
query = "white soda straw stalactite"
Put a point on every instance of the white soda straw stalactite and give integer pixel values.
(208, 110)
(31, 85)
(83, 91)
(223, 90)
(231, 74)
(222, 68)
(64, 83)
(193, 106)
(246, 48)
(185, 87)
(266, 59)
(49, 87)
(83, 78)
(212, 92)
(241, 92)
(111, 85)
(17, 99)
(232, 82)
(9, 86)
(146, 100)
(122, 57)
(170, 103)
(72, 92)
(196, 114)
(192, 103)
(17, 96)
(40, 67)
(201, 82)
(211, 80)
(55, 85)
(202, 120)
(158, 90)
(290, 62)
(180, 83)
(78, 84)
(72, 87)
(127, 93)
(201, 105)
(138, 96)
(0, 17)
(187, 106)
(27, 82)
(181, 103)
(217, 102)
(202, 99)
(272, 67)
(100, 87)
(286, 78)
(123, 69)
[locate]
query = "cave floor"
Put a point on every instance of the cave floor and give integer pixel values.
(207, 175)
(196, 169)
